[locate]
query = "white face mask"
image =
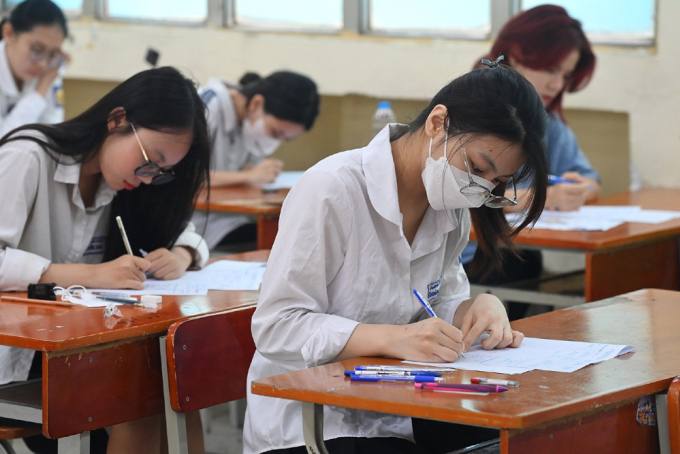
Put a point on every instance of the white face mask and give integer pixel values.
(256, 140)
(444, 181)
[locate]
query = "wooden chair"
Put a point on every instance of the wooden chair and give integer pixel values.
(673, 403)
(205, 363)
(9, 432)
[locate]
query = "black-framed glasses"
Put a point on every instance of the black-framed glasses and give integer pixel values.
(475, 191)
(149, 169)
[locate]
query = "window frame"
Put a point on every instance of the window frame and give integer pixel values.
(356, 19)
(101, 13)
(454, 34)
(69, 13)
(620, 39)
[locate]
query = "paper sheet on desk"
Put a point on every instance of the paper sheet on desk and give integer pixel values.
(285, 180)
(597, 217)
(221, 275)
(534, 353)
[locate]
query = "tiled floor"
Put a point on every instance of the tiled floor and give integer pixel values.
(221, 437)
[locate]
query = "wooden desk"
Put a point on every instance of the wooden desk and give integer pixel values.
(628, 257)
(265, 206)
(591, 410)
(98, 372)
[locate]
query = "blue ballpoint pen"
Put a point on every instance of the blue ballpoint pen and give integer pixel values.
(392, 372)
(552, 179)
(428, 308)
(410, 378)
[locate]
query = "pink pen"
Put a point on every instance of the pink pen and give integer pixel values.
(460, 387)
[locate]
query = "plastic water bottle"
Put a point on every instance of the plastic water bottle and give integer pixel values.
(382, 116)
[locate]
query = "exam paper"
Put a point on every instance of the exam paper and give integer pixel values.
(285, 180)
(534, 353)
(221, 275)
(596, 217)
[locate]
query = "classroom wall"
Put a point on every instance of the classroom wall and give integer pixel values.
(344, 123)
(634, 89)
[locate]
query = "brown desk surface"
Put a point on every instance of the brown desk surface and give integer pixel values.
(628, 233)
(243, 199)
(57, 328)
(646, 319)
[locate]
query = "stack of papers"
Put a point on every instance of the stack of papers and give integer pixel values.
(221, 275)
(596, 217)
(534, 353)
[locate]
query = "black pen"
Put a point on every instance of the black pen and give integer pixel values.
(119, 300)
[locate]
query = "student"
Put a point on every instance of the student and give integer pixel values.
(551, 51)
(31, 60)
(362, 228)
(142, 152)
(248, 122)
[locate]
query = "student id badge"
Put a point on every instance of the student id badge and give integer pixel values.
(433, 289)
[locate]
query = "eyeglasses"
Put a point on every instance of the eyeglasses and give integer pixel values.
(54, 59)
(476, 191)
(149, 169)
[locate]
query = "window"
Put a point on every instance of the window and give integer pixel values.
(71, 8)
(193, 11)
(452, 18)
(611, 21)
(289, 14)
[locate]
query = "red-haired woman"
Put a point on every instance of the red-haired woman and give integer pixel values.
(550, 49)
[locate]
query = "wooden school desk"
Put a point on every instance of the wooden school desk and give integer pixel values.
(265, 206)
(623, 259)
(591, 410)
(98, 372)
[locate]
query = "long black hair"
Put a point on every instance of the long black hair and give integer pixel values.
(287, 95)
(31, 13)
(498, 102)
(159, 99)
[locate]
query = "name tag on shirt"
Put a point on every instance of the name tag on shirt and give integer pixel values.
(433, 289)
(97, 246)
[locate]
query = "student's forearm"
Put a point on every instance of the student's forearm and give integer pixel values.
(68, 274)
(220, 179)
(369, 340)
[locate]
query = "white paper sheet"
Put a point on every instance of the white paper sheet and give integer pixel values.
(597, 217)
(285, 180)
(534, 353)
(221, 275)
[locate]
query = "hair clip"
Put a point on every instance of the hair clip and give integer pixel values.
(492, 64)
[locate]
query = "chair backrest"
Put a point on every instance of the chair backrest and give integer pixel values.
(208, 359)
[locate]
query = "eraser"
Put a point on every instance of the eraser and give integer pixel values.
(151, 299)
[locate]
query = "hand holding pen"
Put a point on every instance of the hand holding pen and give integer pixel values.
(426, 304)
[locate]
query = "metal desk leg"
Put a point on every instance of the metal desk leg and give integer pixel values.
(175, 422)
(312, 428)
(75, 444)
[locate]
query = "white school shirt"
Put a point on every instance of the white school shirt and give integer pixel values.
(18, 108)
(43, 220)
(340, 258)
(229, 154)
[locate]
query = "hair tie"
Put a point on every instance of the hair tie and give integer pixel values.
(492, 64)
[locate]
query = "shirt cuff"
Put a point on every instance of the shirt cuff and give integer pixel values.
(20, 268)
(446, 311)
(194, 241)
(328, 340)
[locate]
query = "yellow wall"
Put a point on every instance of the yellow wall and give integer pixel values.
(344, 123)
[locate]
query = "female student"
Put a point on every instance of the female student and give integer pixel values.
(142, 152)
(248, 122)
(362, 228)
(30, 63)
(551, 51)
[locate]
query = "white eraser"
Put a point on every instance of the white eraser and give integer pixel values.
(151, 299)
